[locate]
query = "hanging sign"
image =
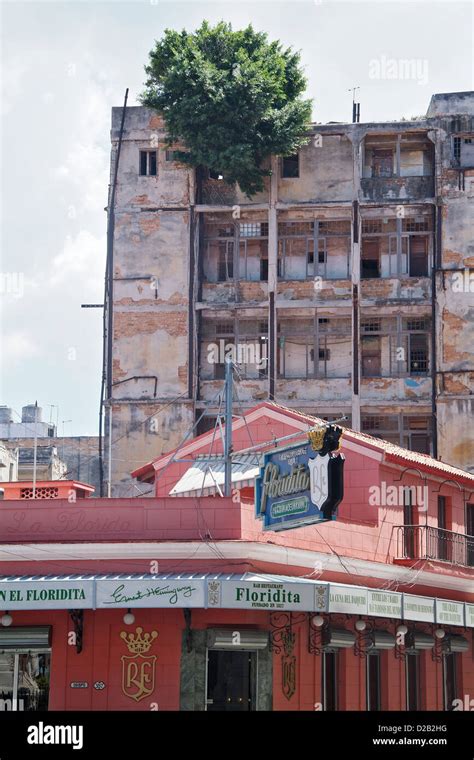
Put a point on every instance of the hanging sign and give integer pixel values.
(301, 484)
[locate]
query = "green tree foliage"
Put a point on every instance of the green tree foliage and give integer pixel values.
(232, 98)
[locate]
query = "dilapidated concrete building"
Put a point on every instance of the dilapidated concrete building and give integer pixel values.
(346, 287)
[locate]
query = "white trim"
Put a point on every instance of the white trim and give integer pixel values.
(245, 550)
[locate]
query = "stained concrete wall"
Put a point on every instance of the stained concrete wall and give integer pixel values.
(154, 227)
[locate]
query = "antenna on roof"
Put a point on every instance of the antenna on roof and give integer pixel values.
(355, 106)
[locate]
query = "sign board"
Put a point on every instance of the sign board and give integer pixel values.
(150, 593)
(46, 595)
(261, 595)
(449, 612)
(299, 485)
(418, 608)
(469, 608)
(384, 603)
(348, 599)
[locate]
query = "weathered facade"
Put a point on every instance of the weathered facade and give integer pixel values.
(345, 287)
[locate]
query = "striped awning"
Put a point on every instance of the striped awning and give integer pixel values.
(207, 475)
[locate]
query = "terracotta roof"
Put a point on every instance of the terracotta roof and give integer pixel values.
(391, 452)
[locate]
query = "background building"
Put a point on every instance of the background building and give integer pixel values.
(71, 457)
(346, 284)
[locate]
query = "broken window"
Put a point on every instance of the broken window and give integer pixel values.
(411, 432)
(395, 247)
(308, 348)
(245, 341)
(226, 261)
(290, 166)
(463, 151)
(370, 259)
(371, 357)
(382, 163)
(170, 155)
(222, 239)
(297, 242)
(253, 251)
(148, 163)
(398, 155)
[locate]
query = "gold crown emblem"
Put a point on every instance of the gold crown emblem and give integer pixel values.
(316, 437)
(138, 644)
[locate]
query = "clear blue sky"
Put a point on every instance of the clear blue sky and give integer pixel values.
(66, 64)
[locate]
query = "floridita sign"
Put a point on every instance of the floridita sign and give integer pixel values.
(297, 486)
(248, 592)
(49, 595)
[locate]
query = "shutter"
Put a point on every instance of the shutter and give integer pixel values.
(25, 638)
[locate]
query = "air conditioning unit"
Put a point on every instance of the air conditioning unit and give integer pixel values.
(381, 640)
(25, 638)
(456, 644)
(417, 640)
(235, 639)
(338, 638)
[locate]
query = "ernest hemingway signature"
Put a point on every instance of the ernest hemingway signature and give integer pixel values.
(144, 594)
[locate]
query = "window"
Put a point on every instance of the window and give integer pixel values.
(226, 261)
(170, 155)
(418, 256)
(382, 163)
(470, 533)
(370, 259)
(418, 354)
(205, 424)
(329, 681)
(264, 269)
(215, 175)
(412, 677)
(308, 349)
(442, 527)
(450, 680)
(373, 681)
(24, 680)
(253, 229)
(371, 357)
(290, 166)
(457, 148)
(148, 163)
(370, 325)
(409, 532)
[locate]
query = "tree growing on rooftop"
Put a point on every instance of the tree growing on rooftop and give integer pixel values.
(231, 97)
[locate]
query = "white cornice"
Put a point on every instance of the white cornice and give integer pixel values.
(252, 551)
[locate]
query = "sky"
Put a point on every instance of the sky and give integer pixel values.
(65, 64)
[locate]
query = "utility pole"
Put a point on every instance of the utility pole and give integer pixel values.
(228, 427)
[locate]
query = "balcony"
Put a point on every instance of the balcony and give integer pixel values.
(424, 542)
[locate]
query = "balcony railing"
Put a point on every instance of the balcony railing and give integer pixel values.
(425, 542)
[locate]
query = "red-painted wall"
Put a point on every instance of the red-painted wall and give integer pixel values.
(103, 649)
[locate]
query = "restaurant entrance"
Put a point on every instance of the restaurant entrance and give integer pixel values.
(231, 680)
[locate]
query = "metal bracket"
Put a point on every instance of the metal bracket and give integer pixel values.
(187, 620)
(77, 617)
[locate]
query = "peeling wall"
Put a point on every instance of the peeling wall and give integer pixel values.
(153, 277)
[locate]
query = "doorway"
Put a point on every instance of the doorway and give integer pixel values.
(231, 680)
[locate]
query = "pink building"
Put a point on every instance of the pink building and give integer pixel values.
(183, 600)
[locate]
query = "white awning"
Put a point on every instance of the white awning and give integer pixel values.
(207, 475)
